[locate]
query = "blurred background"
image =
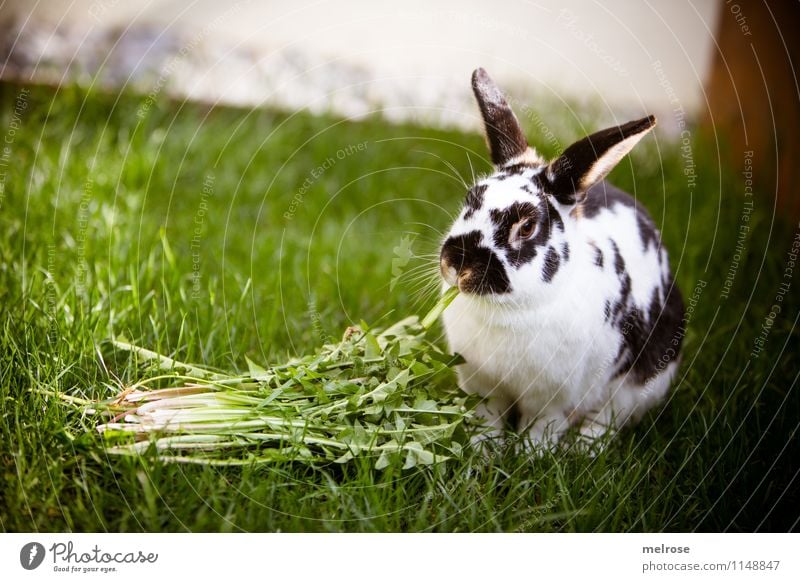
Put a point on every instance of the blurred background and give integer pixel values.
(411, 61)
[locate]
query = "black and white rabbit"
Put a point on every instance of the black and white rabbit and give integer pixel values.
(568, 314)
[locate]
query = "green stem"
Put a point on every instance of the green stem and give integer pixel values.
(444, 301)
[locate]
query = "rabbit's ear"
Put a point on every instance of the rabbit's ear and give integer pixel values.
(589, 160)
(503, 132)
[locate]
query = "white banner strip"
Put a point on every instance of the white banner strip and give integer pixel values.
(400, 557)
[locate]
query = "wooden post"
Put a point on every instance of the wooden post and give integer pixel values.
(754, 94)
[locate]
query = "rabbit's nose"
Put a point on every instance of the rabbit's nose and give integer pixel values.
(449, 273)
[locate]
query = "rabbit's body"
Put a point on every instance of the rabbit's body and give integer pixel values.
(569, 315)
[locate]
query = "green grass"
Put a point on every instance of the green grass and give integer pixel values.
(105, 230)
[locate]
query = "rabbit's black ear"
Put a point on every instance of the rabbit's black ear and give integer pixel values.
(503, 132)
(589, 160)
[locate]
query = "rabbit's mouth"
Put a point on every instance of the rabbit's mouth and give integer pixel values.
(474, 268)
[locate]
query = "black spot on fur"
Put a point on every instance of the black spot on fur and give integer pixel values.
(480, 270)
(607, 309)
(647, 230)
(619, 262)
(655, 304)
(551, 264)
(516, 169)
(565, 251)
(622, 303)
(625, 287)
(539, 181)
(632, 326)
(474, 200)
(604, 195)
(651, 343)
(598, 257)
(554, 215)
(651, 334)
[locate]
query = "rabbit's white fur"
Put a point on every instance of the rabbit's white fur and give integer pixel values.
(551, 346)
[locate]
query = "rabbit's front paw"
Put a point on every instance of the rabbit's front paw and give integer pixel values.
(544, 433)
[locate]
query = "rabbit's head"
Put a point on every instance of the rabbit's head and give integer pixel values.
(514, 232)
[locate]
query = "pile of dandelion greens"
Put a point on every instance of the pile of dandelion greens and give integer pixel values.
(387, 394)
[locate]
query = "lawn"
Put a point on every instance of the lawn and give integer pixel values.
(216, 234)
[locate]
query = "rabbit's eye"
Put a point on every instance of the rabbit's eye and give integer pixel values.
(526, 229)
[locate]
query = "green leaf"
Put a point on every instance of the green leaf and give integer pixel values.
(257, 372)
(372, 348)
(383, 461)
